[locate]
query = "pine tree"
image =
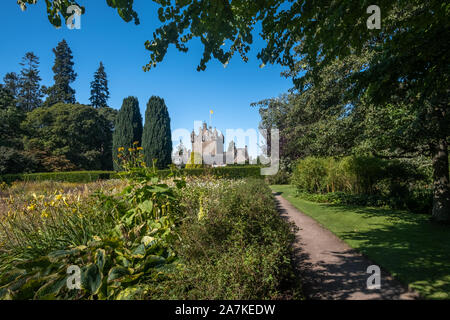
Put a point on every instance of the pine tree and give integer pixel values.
(128, 127)
(99, 88)
(64, 75)
(12, 84)
(157, 137)
(30, 93)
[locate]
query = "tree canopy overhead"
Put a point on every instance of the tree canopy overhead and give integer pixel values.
(408, 66)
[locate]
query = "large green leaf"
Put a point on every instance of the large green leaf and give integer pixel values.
(146, 206)
(59, 254)
(139, 252)
(117, 272)
(91, 278)
(41, 262)
(51, 289)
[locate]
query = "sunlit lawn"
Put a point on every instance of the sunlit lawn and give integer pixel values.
(411, 248)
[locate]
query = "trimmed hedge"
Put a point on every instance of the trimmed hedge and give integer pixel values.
(70, 176)
(90, 176)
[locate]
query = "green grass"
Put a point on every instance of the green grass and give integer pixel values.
(411, 248)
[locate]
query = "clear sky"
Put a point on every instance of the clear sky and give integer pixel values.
(104, 36)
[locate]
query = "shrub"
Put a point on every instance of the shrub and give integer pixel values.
(281, 177)
(310, 175)
(365, 180)
(70, 176)
(127, 250)
(233, 244)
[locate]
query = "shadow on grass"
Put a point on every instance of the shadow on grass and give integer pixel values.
(414, 250)
(344, 277)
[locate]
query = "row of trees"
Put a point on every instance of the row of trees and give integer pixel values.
(154, 137)
(58, 134)
(54, 133)
(397, 75)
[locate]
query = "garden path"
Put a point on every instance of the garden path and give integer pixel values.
(332, 270)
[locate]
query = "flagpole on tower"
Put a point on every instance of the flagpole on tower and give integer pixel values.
(210, 117)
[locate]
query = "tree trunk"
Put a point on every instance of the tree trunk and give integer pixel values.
(441, 187)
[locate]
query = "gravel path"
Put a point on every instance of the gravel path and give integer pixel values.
(332, 270)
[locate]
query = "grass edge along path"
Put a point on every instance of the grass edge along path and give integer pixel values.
(413, 250)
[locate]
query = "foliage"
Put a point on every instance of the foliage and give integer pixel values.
(233, 244)
(61, 92)
(30, 93)
(195, 161)
(127, 128)
(362, 180)
(157, 136)
(414, 251)
(78, 134)
(12, 84)
(99, 88)
(71, 176)
(132, 253)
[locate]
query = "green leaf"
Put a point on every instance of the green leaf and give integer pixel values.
(146, 206)
(117, 272)
(58, 254)
(6, 294)
(41, 262)
(139, 252)
(91, 278)
(129, 293)
(100, 259)
(153, 261)
(51, 289)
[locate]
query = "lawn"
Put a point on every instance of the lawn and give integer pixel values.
(411, 248)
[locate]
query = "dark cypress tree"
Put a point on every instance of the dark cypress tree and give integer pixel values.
(64, 76)
(30, 93)
(99, 88)
(127, 128)
(157, 137)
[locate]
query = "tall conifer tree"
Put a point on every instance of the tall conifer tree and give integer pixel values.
(128, 127)
(157, 137)
(30, 93)
(12, 84)
(99, 88)
(64, 76)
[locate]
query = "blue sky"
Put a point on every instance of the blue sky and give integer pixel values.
(104, 36)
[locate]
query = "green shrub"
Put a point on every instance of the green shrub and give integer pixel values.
(281, 177)
(365, 180)
(236, 172)
(310, 175)
(120, 256)
(70, 176)
(233, 244)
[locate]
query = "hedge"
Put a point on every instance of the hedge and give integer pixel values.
(232, 172)
(69, 176)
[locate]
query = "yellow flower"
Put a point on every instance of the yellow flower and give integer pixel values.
(44, 214)
(31, 207)
(58, 197)
(140, 148)
(130, 149)
(135, 143)
(120, 149)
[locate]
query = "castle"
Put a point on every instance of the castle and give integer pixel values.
(209, 144)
